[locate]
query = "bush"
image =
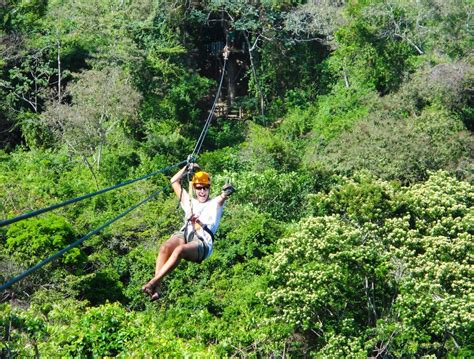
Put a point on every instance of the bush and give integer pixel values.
(217, 161)
(29, 180)
(280, 194)
(442, 84)
(402, 149)
(30, 241)
(20, 332)
(324, 276)
(360, 199)
(110, 330)
(246, 234)
(224, 133)
(136, 268)
(100, 287)
(398, 286)
(366, 59)
(337, 112)
(265, 149)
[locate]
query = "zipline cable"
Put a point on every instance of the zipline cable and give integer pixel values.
(200, 140)
(77, 199)
(79, 241)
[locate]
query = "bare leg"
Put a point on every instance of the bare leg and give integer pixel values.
(188, 251)
(166, 249)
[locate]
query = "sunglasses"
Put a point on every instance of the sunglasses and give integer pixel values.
(198, 188)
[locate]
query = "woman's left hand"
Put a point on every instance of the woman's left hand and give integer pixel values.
(195, 219)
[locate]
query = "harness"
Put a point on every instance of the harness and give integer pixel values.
(188, 235)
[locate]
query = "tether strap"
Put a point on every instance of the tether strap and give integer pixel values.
(206, 228)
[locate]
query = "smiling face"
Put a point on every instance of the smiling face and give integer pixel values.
(202, 192)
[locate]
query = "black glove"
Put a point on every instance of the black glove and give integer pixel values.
(193, 168)
(227, 190)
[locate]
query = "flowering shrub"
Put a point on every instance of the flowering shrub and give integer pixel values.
(397, 285)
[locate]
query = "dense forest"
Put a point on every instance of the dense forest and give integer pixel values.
(345, 127)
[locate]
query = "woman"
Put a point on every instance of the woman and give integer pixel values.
(194, 241)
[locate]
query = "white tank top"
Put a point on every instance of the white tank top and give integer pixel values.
(209, 212)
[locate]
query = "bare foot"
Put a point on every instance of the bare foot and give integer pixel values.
(147, 289)
(152, 289)
(156, 293)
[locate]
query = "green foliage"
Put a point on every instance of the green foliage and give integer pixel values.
(296, 124)
(358, 283)
(338, 111)
(265, 149)
(27, 14)
(172, 92)
(99, 287)
(29, 179)
(247, 234)
(420, 25)
(225, 133)
(216, 161)
(306, 263)
(30, 241)
(402, 149)
(443, 84)
(103, 102)
(321, 268)
(106, 332)
(364, 59)
(279, 62)
(20, 332)
(359, 199)
(134, 268)
(118, 167)
(406, 134)
(171, 115)
(165, 140)
(280, 194)
(221, 309)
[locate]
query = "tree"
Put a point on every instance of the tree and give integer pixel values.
(422, 127)
(316, 20)
(425, 25)
(103, 102)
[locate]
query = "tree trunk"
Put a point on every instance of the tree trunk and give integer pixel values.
(231, 75)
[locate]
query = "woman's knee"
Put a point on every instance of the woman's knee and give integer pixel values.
(170, 245)
(179, 250)
(167, 248)
(189, 251)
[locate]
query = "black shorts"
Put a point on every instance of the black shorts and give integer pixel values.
(203, 249)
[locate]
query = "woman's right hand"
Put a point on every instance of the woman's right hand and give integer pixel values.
(195, 219)
(193, 167)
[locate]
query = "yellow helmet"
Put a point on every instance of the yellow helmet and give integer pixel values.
(201, 178)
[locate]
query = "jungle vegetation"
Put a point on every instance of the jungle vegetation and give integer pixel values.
(345, 126)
